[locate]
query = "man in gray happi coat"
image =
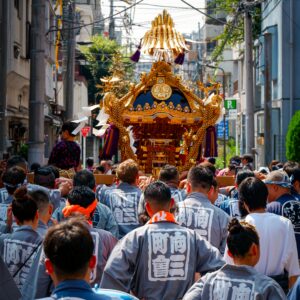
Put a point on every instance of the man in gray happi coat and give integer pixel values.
(198, 213)
(160, 259)
(102, 217)
(123, 200)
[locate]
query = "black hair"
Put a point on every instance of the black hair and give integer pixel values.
(295, 176)
(168, 173)
(34, 167)
(81, 195)
(16, 160)
(13, 178)
(264, 171)
(232, 167)
(70, 127)
(84, 178)
(54, 170)
(69, 246)
(101, 169)
(157, 192)
(211, 160)
(200, 177)
(243, 174)
(243, 211)
(240, 238)
(89, 161)
(42, 200)
(254, 193)
(235, 160)
(290, 166)
(248, 157)
(45, 177)
(24, 207)
(209, 166)
(214, 183)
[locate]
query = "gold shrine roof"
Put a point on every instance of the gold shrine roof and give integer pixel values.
(162, 94)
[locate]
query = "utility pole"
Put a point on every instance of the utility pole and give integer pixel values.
(68, 57)
(111, 29)
(3, 70)
(268, 100)
(249, 80)
(37, 83)
(292, 59)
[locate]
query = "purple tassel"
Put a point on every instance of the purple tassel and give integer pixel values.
(136, 55)
(211, 147)
(111, 143)
(179, 60)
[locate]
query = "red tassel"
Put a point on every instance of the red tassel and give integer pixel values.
(136, 55)
(179, 60)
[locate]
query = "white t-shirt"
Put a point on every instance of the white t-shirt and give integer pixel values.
(278, 249)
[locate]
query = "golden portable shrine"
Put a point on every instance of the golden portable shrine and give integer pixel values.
(161, 120)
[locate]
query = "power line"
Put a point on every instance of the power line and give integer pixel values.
(203, 13)
(229, 32)
(98, 21)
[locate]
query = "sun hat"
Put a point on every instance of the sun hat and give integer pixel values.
(280, 178)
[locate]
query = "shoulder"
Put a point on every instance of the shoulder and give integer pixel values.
(221, 213)
(60, 144)
(112, 294)
(103, 234)
(103, 208)
(274, 207)
(269, 287)
(196, 291)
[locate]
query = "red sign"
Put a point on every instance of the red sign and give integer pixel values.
(85, 131)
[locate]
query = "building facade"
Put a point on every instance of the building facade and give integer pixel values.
(17, 72)
(279, 44)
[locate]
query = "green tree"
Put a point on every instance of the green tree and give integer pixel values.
(120, 75)
(293, 138)
(230, 152)
(233, 33)
(98, 56)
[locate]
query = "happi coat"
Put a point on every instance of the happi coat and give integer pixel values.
(159, 261)
(102, 218)
(123, 202)
(104, 243)
(197, 212)
(16, 248)
(235, 282)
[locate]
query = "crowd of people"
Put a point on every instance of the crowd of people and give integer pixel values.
(179, 236)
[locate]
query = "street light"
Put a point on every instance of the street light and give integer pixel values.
(224, 116)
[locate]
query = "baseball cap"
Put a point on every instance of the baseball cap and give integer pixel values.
(280, 178)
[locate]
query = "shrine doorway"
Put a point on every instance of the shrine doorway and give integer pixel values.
(158, 144)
